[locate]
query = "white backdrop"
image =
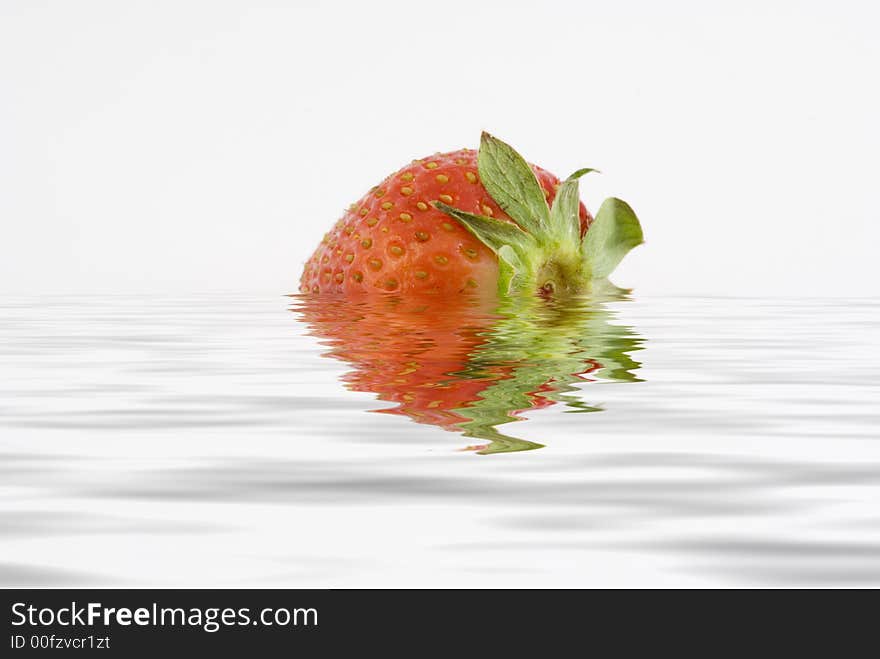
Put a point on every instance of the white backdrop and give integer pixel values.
(186, 146)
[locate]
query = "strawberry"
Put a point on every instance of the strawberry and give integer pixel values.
(469, 221)
(467, 364)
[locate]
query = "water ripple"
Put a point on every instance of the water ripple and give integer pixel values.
(226, 440)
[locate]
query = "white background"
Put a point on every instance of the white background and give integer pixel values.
(186, 146)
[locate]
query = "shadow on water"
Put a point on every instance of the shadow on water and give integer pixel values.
(470, 365)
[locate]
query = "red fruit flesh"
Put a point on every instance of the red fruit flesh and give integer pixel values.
(394, 239)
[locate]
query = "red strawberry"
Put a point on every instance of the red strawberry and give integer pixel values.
(471, 221)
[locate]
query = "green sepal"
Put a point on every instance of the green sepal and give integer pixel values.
(493, 233)
(510, 181)
(565, 221)
(614, 232)
(512, 269)
(584, 170)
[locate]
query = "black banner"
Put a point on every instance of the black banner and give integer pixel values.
(130, 622)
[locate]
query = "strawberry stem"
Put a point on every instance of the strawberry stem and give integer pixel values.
(541, 251)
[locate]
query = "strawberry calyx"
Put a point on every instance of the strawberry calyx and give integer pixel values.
(542, 251)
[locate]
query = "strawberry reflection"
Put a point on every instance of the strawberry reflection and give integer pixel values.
(470, 365)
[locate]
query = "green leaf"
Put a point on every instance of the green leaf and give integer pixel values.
(565, 221)
(509, 254)
(614, 232)
(494, 233)
(512, 269)
(510, 181)
(581, 172)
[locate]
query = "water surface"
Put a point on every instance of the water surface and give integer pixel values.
(187, 441)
